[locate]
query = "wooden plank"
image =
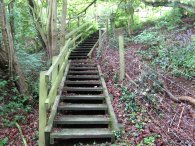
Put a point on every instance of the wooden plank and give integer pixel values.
(82, 133)
(82, 119)
(90, 77)
(51, 95)
(83, 82)
(122, 57)
(90, 53)
(83, 68)
(49, 126)
(83, 89)
(83, 72)
(114, 122)
(42, 108)
(83, 107)
(60, 56)
(82, 97)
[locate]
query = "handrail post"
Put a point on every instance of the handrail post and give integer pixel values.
(42, 108)
(78, 21)
(122, 57)
(100, 38)
(107, 29)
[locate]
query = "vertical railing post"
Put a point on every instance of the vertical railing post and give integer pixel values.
(100, 38)
(42, 108)
(55, 73)
(107, 29)
(78, 21)
(122, 57)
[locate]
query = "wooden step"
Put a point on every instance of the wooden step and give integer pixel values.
(83, 65)
(82, 119)
(79, 133)
(82, 68)
(80, 51)
(83, 89)
(83, 72)
(83, 107)
(83, 83)
(83, 77)
(78, 57)
(83, 97)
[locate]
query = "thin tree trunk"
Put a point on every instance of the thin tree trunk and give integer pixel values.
(14, 66)
(63, 22)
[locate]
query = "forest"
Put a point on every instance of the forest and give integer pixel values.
(144, 54)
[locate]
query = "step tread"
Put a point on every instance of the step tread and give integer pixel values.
(82, 133)
(83, 68)
(83, 82)
(82, 119)
(83, 97)
(83, 107)
(83, 89)
(83, 76)
(83, 72)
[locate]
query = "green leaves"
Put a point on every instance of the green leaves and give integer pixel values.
(4, 141)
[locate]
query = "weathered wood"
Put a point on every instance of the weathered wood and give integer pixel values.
(90, 53)
(82, 82)
(83, 133)
(82, 119)
(51, 96)
(122, 57)
(83, 107)
(114, 122)
(60, 57)
(42, 108)
(83, 89)
(54, 108)
(100, 39)
(83, 97)
(89, 77)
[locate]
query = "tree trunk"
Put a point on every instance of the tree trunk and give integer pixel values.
(63, 23)
(41, 35)
(8, 44)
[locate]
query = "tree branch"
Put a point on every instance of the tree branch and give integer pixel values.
(84, 11)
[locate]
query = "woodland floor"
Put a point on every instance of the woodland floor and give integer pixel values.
(163, 123)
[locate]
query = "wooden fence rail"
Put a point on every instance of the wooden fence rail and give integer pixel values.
(51, 79)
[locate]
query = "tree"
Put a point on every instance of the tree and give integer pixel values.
(7, 51)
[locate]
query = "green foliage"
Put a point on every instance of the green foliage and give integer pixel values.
(146, 37)
(14, 106)
(31, 65)
(4, 141)
(129, 98)
(171, 20)
(149, 141)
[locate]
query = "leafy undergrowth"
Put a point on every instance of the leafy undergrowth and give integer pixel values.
(145, 111)
(16, 109)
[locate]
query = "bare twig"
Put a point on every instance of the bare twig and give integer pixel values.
(180, 117)
(20, 130)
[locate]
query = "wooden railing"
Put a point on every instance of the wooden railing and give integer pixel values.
(51, 81)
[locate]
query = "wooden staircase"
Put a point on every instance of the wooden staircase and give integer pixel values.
(84, 111)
